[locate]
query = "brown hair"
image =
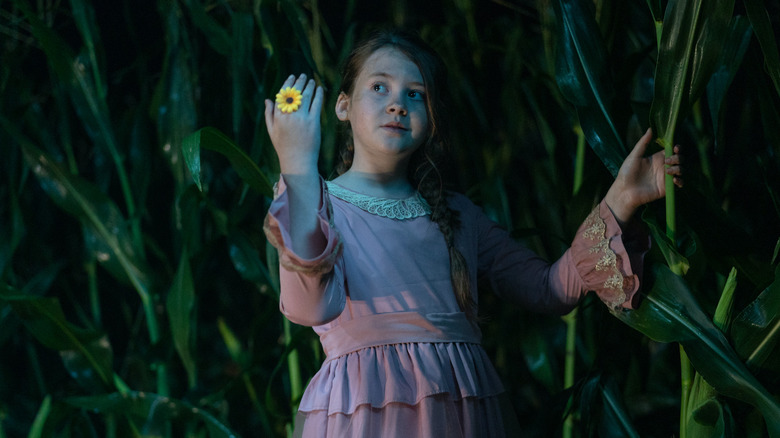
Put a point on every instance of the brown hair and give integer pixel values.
(424, 165)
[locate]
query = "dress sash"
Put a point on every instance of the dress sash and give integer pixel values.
(398, 328)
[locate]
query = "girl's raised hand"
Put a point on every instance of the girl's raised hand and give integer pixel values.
(296, 135)
(642, 179)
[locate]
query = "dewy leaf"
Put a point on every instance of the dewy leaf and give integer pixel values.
(153, 412)
(181, 301)
(87, 353)
(669, 313)
(213, 139)
(762, 26)
(583, 77)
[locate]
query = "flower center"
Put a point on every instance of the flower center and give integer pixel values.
(290, 100)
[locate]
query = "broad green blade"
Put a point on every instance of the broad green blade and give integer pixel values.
(707, 416)
(669, 313)
(153, 413)
(756, 332)
(583, 77)
(36, 431)
(726, 69)
(216, 36)
(87, 353)
(691, 41)
(246, 259)
(105, 227)
(762, 26)
(180, 304)
(174, 108)
(213, 139)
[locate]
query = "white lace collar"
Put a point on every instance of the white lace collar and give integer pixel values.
(409, 208)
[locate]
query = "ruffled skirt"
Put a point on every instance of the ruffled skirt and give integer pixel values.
(404, 390)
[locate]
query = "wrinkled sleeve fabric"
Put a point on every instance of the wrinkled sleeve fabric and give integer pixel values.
(602, 258)
(312, 290)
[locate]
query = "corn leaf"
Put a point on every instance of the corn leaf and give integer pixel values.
(36, 431)
(669, 313)
(694, 32)
(582, 74)
(106, 228)
(153, 412)
(86, 353)
(213, 139)
(174, 107)
(756, 331)
(246, 259)
(726, 69)
(762, 26)
(180, 303)
(216, 36)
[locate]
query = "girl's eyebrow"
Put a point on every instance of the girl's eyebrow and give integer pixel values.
(389, 76)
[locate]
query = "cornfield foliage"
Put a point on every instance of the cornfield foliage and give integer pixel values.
(138, 296)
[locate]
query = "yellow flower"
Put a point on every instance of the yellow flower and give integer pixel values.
(288, 99)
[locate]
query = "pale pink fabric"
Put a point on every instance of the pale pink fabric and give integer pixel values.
(402, 360)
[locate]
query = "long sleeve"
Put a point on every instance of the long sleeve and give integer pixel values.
(602, 258)
(312, 290)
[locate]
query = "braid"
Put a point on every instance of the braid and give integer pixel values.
(448, 221)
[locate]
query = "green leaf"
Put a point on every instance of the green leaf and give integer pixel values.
(242, 25)
(728, 64)
(216, 36)
(756, 331)
(603, 409)
(153, 412)
(105, 229)
(722, 316)
(707, 416)
(108, 235)
(213, 139)
(180, 303)
(36, 431)
(691, 41)
(175, 104)
(584, 79)
(87, 353)
(669, 313)
(762, 26)
(246, 259)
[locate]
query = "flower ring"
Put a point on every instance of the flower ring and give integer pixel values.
(288, 99)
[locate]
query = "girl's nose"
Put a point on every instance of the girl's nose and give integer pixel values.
(396, 107)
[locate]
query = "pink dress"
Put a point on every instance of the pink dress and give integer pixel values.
(401, 359)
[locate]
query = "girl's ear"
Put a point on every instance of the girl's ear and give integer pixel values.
(342, 107)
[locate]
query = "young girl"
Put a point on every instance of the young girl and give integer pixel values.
(384, 264)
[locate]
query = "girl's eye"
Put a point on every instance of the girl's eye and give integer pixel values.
(379, 88)
(416, 95)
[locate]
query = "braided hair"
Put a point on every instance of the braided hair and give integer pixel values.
(423, 171)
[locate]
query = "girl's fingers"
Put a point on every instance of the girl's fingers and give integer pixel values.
(316, 103)
(308, 91)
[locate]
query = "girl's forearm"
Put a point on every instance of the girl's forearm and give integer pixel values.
(305, 197)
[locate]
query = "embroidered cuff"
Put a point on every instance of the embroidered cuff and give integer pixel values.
(602, 260)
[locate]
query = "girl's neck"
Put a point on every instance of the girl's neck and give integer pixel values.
(382, 185)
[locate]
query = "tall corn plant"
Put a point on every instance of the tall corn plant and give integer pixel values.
(691, 46)
(225, 361)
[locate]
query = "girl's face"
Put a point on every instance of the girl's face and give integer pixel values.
(386, 109)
